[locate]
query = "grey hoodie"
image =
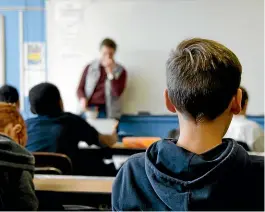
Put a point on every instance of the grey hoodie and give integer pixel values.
(16, 177)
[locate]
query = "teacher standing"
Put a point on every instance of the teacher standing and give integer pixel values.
(102, 83)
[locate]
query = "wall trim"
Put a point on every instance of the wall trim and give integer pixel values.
(2, 53)
(22, 8)
(21, 58)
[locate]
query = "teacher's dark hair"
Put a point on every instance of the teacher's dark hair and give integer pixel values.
(202, 77)
(109, 43)
(45, 99)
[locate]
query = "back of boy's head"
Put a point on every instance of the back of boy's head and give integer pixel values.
(45, 99)
(202, 78)
(9, 94)
(244, 97)
(12, 124)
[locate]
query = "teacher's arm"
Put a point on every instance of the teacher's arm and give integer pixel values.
(81, 94)
(118, 85)
(81, 87)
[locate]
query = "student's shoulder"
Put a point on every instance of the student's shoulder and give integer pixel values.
(129, 179)
(136, 160)
(14, 155)
(73, 120)
(32, 120)
(254, 171)
(250, 124)
(71, 116)
(134, 167)
(254, 181)
(7, 144)
(68, 114)
(257, 162)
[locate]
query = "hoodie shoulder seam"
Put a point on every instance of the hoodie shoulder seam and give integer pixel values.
(133, 158)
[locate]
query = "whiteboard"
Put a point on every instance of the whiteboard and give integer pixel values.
(146, 31)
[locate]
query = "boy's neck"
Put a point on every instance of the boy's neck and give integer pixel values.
(199, 138)
(242, 113)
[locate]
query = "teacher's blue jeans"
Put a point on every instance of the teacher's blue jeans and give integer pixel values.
(101, 111)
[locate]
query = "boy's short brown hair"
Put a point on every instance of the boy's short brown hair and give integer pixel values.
(202, 77)
(109, 43)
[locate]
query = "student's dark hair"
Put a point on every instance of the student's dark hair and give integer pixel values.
(244, 97)
(202, 77)
(109, 43)
(8, 94)
(174, 133)
(45, 99)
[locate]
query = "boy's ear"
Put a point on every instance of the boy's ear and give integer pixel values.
(168, 102)
(61, 104)
(18, 105)
(17, 128)
(236, 102)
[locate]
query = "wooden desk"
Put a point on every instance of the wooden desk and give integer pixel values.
(54, 191)
(120, 145)
(120, 149)
(62, 183)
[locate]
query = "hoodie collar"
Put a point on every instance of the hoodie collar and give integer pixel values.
(173, 170)
(14, 156)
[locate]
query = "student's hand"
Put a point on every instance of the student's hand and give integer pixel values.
(109, 140)
(83, 103)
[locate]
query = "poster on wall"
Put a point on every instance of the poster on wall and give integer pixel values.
(34, 55)
(69, 12)
(34, 65)
(69, 17)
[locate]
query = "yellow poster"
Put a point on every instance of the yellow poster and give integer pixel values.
(34, 55)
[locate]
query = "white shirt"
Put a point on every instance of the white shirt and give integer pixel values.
(245, 130)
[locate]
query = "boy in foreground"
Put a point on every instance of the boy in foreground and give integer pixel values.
(200, 171)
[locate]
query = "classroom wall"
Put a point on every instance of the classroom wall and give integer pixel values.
(146, 31)
(34, 30)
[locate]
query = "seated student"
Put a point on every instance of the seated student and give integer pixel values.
(9, 94)
(200, 171)
(245, 130)
(56, 131)
(16, 163)
(174, 133)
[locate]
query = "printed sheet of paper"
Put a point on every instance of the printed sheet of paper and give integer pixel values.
(104, 126)
(68, 19)
(34, 55)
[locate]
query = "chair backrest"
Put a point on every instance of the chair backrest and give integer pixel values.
(47, 170)
(49, 160)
